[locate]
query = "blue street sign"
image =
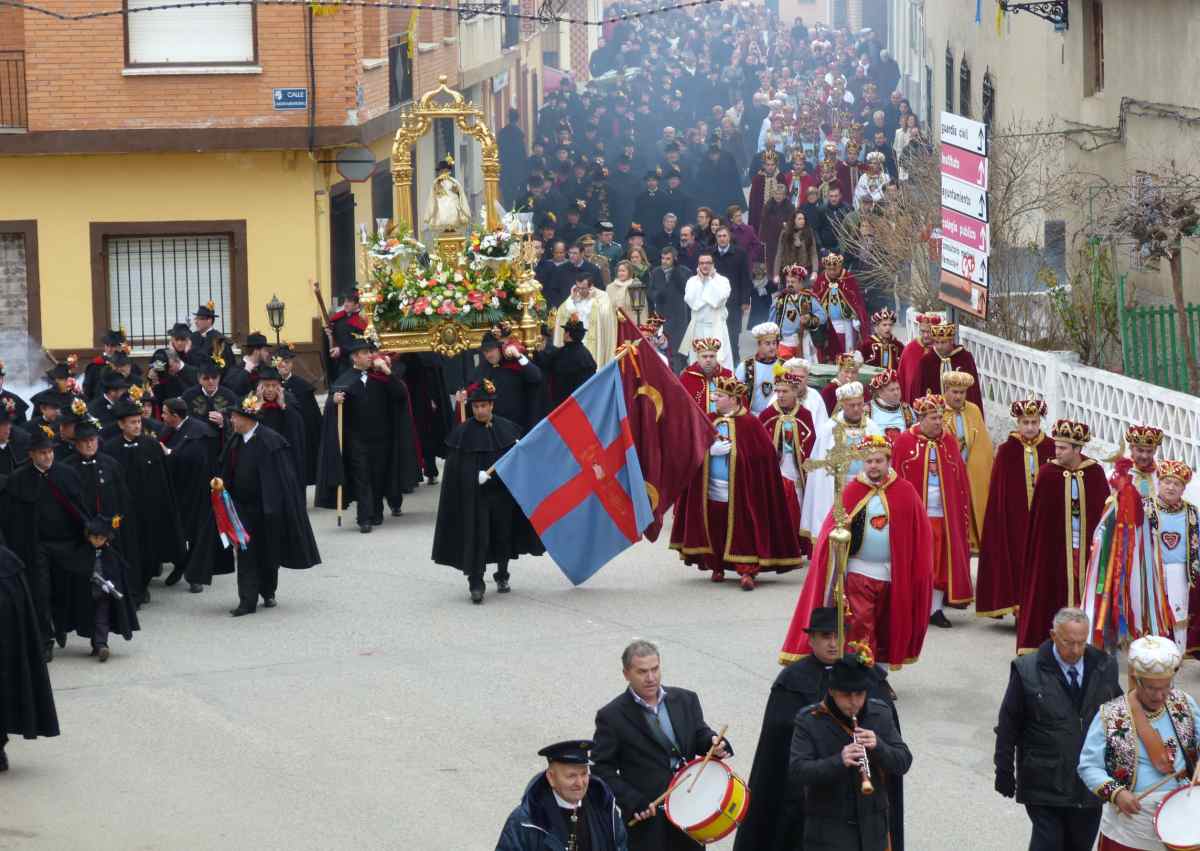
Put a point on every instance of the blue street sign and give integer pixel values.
(290, 98)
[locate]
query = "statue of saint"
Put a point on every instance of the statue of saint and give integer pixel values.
(447, 204)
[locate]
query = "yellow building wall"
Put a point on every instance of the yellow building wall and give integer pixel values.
(287, 228)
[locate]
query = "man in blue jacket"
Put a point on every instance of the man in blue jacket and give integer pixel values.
(564, 808)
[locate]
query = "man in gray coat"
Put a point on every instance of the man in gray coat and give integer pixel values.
(667, 283)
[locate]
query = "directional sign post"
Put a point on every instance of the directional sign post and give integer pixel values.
(966, 242)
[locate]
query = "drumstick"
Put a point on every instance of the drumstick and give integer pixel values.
(707, 757)
(675, 785)
(1157, 786)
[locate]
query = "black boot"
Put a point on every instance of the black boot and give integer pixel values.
(195, 588)
(501, 578)
(174, 577)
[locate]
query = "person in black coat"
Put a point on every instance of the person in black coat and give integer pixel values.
(26, 698)
(566, 368)
(665, 291)
(97, 589)
(170, 375)
(242, 378)
(192, 449)
(425, 379)
(567, 275)
(306, 403)
(14, 443)
(378, 458)
(109, 345)
(17, 407)
(1043, 721)
(517, 380)
(733, 264)
(281, 414)
(205, 337)
(643, 737)
(478, 521)
(830, 742)
(652, 204)
(510, 140)
(256, 470)
(153, 515)
(345, 325)
(719, 182)
(112, 388)
(210, 402)
(101, 483)
(776, 820)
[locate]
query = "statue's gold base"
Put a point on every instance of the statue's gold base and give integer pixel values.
(449, 245)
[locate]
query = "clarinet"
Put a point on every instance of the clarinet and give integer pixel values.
(864, 765)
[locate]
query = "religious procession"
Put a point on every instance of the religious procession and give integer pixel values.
(637, 336)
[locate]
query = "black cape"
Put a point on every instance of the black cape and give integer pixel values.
(404, 462)
(103, 491)
(14, 454)
(426, 382)
(79, 606)
(26, 698)
(20, 407)
(775, 821)
(284, 514)
(306, 403)
(153, 511)
(566, 368)
(479, 524)
(192, 464)
(289, 423)
(18, 506)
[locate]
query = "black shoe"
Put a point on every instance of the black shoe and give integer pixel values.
(174, 577)
(396, 512)
(940, 620)
(103, 653)
(365, 528)
(145, 597)
(477, 596)
(431, 480)
(3, 760)
(502, 585)
(48, 653)
(95, 650)
(195, 588)
(61, 638)
(269, 603)
(241, 610)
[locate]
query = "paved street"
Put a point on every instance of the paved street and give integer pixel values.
(376, 708)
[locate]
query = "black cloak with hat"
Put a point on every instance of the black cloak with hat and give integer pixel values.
(479, 524)
(26, 697)
(20, 408)
(78, 604)
(306, 403)
(285, 419)
(14, 453)
(192, 463)
(103, 490)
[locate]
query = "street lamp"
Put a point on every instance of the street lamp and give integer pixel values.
(637, 299)
(275, 309)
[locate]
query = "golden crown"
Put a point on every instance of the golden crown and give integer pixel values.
(795, 270)
(730, 386)
(1027, 408)
(832, 261)
(928, 319)
(792, 379)
(1174, 470)
(945, 331)
(884, 315)
(928, 404)
(1147, 436)
(1070, 431)
(849, 360)
(957, 380)
(706, 344)
(883, 379)
(873, 443)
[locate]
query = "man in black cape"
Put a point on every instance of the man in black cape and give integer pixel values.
(19, 407)
(306, 403)
(153, 515)
(42, 517)
(192, 446)
(110, 343)
(775, 822)
(478, 521)
(209, 402)
(256, 470)
(568, 366)
(92, 608)
(110, 390)
(517, 380)
(101, 482)
(281, 414)
(26, 698)
(242, 378)
(14, 442)
(379, 459)
(431, 407)
(205, 337)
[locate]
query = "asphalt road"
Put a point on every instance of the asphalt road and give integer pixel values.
(376, 708)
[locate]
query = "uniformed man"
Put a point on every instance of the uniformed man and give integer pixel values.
(209, 401)
(758, 372)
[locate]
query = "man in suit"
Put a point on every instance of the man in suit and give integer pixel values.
(667, 283)
(642, 738)
(1052, 696)
(731, 263)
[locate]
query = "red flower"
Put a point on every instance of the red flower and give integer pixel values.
(1121, 773)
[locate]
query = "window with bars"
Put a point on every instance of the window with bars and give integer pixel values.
(964, 88)
(156, 281)
(949, 79)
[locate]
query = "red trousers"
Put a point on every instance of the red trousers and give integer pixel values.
(718, 529)
(1107, 844)
(868, 600)
(941, 554)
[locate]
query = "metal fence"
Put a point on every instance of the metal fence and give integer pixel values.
(1151, 349)
(13, 100)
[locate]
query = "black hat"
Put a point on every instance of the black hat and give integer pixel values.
(269, 373)
(113, 338)
(446, 163)
(850, 673)
(209, 369)
(489, 341)
(250, 406)
(180, 331)
(482, 391)
(126, 408)
(574, 752)
(41, 437)
(255, 340)
(206, 311)
(114, 380)
(49, 396)
(87, 427)
(101, 526)
(76, 412)
(823, 619)
(118, 358)
(548, 220)
(574, 329)
(285, 352)
(59, 371)
(358, 344)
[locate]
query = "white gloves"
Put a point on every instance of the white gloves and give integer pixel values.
(720, 447)
(483, 477)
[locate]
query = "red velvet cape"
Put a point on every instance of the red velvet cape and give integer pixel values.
(1005, 527)
(873, 350)
(1043, 588)
(852, 292)
(760, 527)
(804, 437)
(910, 370)
(930, 373)
(902, 623)
(696, 384)
(910, 451)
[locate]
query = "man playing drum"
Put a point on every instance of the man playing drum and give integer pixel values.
(1140, 748)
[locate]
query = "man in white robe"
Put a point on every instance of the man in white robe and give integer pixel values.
(597, 315)
(706, 293)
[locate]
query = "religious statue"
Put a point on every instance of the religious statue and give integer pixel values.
(447, 205)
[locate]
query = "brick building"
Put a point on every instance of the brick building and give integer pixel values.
(153, 160)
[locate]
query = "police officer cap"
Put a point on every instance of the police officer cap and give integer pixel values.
(574, 752)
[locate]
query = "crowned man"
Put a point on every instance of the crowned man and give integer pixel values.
(1140, 748)
(1143, 443)
(928, 456)
(1010, 497)
(882, 349)
(910, 357)
(734, 514)
(848, 365)
(964, 420)
(1176, 526)
(809, 398)
(790, 427)
(591, 307)
(803, 323)
(700, 377)
(1068, 498)
(887, 410)
(841, 296)
(818, 490)
(758, 372)
(889, 572)
(946, 355)
(871, 182)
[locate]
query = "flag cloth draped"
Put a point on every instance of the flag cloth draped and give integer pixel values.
(577, 477)
(229, 525)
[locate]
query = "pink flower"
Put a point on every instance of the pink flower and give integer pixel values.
(420, 304)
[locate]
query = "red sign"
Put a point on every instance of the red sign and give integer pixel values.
(966, 230)
(965, 166)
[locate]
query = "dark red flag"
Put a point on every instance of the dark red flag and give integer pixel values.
(671, 433)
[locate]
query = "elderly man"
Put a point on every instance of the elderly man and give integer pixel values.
(707, 294)
(1052, 697)
(1140, 747)
(642, 738)
(964, 420)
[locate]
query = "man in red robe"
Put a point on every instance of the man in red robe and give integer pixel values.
(790, 427)
(1068, 498)
(929, 457)
(889, 572)
(734, 514)
(910, 358)
(763, 185)
(1006, 524)
(946, 355)
(881, 348)
(700, 378)
(841, 296)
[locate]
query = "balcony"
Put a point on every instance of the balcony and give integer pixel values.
(13, 103)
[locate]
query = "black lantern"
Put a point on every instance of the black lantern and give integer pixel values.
(275, 309)
(637, 298)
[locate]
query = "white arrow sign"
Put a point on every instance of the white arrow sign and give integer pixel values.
(964, 198)
(965, 262)
(964, 133)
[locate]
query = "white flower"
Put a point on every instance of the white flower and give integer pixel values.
(429, 311)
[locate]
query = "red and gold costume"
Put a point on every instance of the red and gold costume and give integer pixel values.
(839, 292)
(910, 359)
(879, 351)
(933, 364)
(967, 426)
(763, 185)
(1006, 524)
(702, 388)
(793, 435)
(926, 462)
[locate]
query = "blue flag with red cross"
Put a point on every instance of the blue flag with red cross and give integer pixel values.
(577, 477)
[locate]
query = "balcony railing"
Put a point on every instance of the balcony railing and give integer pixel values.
(13, 105)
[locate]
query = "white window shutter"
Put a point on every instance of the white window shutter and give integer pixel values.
(198, 35)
